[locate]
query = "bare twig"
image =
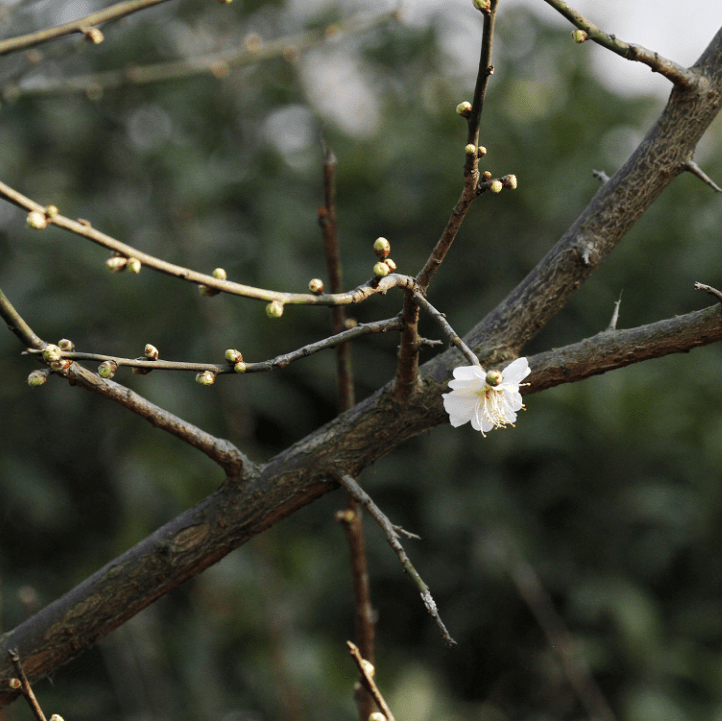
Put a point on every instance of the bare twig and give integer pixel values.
(366, 673)
(679, 75)
(558, 636)
(692, 167)
(440, 318)
(709, 289)
(25, 686)
(352, 516)
(76, 26)
(217, 64)
(17, 325)
(392, 536)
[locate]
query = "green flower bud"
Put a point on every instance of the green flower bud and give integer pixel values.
(151, 352)
(60, 365)
(220, 274)
(470, 149)
(481, 151)
(14, 683)
(107, 369)
(391, 265)
(56, 717)
(51, 211)
(483, 5)
(206, 378)
(116, 264)
(133, 265)
(464, 109)
(274, 309)
(496, 186)
(66, 345)
(350, 323)
(36, 220)
(377, 716)
(233, 355)
(580, 36)
(493, 378)
(37, 378)
(382, 248)
(315, 285)
(52, 353)
(93, 35)
(381, 270)
(510, 181)
(240, 367)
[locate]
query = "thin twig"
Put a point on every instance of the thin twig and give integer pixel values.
(25, 686)
(709, 289)
(217, 64)
(615, 315)
(350, 484)
(280, 361)
(18, 326)
(677, 74)
(366, 671)
(558, 637)
(42, 36)
(352, 516)
(454, 338)
(471, 166)
(83, 229)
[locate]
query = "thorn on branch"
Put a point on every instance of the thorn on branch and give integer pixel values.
(692, 167)
(615, 315)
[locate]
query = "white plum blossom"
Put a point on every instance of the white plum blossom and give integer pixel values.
(489, 400)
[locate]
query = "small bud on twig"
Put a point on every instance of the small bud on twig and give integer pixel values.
(233, 356)
(51, 211)
(37, 220)
(206, 378)
(464, 109)
(133, 265)
(315, 285)
(483, 5)
(116, 264)
(470, 149)
(151, 352)
(382, 248)
(481, 151)
(240, 367)
(107, 369)
(390, 264)
(486, 175)
(93, 35)
(66, 345)
(60, 365)
(37, 378)
(381, 270)
(220, 274)
(52, 353)
(580, 36)
(207, 292)
(496, 186)
(274, 309)
(510, 181)
(14, 683)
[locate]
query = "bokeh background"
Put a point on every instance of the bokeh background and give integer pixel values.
(609, 489)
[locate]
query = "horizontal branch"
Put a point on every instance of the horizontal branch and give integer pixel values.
(245, 507)
(678, 74)
(114, 12)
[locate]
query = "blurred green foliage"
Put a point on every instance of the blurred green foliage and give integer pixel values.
(608, 488)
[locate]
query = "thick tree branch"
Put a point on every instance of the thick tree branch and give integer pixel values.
(239, 510)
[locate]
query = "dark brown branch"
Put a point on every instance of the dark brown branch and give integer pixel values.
(238, 511)
(674, 72)
(76, 26)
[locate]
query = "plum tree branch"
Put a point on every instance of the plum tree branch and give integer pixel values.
(115, 12)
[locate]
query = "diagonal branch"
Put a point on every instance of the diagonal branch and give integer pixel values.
(679, 75)
(238, 511)
(114, 12)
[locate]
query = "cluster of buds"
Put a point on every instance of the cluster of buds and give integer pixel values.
(206, 291)
(118, 263)
(234, 357)
(386, 265)
(39, 220)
